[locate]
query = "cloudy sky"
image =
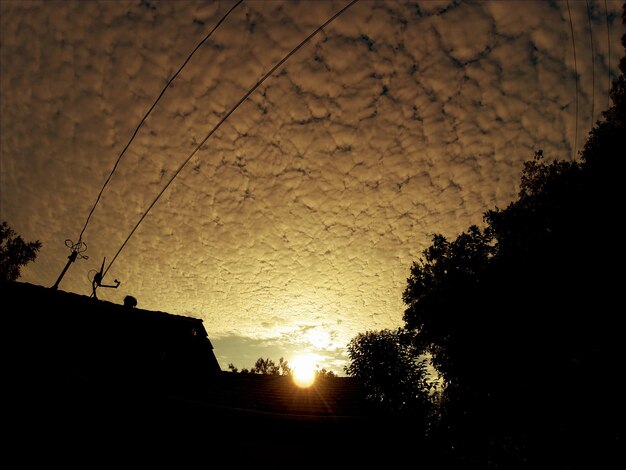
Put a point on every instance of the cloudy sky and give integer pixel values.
(295, 226)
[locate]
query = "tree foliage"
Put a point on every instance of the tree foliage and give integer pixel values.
(265, 366)
(388, 366)
(14, 253)
(324, 373)
(521, 317)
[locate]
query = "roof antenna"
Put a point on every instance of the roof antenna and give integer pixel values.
(77, 252)
(97, 281)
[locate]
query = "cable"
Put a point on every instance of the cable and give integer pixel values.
(80, 237)
(593, 62)
(608, 41)
(571, 25)
(217, 126)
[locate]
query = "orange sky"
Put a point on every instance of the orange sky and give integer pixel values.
(294, 228)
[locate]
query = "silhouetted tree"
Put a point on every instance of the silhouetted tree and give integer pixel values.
(266, 367)
(323, 374)
(444, 277)
(14, 253)
(521, 317)
(234, 369)
(388, 365)
(524, 307)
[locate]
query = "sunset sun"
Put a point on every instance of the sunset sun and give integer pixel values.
(304, 371)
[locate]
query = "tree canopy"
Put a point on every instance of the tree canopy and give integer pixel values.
(14, 253)
(265, 366)
(388, 364)
(521, 316)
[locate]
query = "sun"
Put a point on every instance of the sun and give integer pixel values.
(303, 371)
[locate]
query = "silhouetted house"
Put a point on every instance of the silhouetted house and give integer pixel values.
(92, 378)
(67, 339)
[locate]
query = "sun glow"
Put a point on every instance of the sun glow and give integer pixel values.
(319, 337)
(303, 371)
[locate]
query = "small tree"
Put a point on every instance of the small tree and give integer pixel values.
(323, 373)
(391, 368)
(14, 253)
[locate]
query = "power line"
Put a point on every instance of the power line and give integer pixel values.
(608, 41)
(571, 25)
(217, 126)
(80, 237)
(593, 62)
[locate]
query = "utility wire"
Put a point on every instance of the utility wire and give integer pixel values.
(571, 25)
(608, 41)
(593, 64)
(93, 208)
(217, 126)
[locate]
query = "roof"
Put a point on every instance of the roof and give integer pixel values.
(111, 381)
(27, 296)
(277, 396)
(82, 338)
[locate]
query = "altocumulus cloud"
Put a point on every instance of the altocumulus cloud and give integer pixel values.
(305, 210)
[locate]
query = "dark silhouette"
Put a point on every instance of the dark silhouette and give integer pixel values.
(521, 317)
(82, 371)
(265, 367)
(324, 373)
(97, 281)
(78, 250)
(387, 364)
(14, 253)
(130, 301)
(91, 378)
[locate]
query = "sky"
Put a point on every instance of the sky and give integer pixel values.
(294, 227)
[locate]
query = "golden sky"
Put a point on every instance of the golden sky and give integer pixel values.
(294, 227)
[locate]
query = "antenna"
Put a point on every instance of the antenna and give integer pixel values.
(97, 281)
(77, 250)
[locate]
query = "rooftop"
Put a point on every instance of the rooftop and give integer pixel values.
(86, 370)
